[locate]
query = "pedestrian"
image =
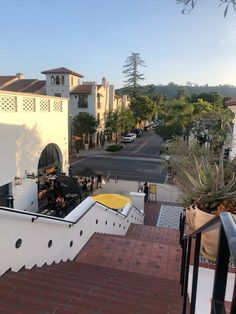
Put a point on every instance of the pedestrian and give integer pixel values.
(145, 190)
(140, 187)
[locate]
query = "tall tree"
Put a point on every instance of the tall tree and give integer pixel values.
(132, 75)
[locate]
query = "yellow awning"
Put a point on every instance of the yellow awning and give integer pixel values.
(114, 201)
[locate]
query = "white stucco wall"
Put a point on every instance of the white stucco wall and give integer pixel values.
(28, 123)
(70, 81)
(233, 152)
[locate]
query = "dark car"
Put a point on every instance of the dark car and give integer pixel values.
(137, 131)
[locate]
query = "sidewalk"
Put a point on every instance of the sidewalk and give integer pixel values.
(166, 193)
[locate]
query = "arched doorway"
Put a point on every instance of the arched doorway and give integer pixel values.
(49, 161)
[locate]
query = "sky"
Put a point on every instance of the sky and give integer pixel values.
(95, 37)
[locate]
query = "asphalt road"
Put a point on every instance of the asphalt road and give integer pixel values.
(138, 161)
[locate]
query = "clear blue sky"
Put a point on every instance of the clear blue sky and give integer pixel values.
(94, 38)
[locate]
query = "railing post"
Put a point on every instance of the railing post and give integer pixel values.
(186, 274)
(183, 262)
(220, 279)
(195, 273)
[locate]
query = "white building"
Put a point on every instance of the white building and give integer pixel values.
(95, 99)
(232, 105)
(33, 141)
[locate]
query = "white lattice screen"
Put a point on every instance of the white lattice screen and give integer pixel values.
(57, 105)
(44, 105)
(28, 104)
(8, 104)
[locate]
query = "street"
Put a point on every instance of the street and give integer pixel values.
(138, 161)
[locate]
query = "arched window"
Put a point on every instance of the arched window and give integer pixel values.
(62, 80)
(57, 80)
(52, 80)
(49, 157)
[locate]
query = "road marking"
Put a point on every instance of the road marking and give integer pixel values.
(140, 147)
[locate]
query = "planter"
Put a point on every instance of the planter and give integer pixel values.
(209, 239)
(190, 216)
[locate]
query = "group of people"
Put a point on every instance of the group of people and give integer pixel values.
(86, 184)
(144, 189)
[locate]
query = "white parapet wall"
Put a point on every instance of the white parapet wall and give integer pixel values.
(29, 239)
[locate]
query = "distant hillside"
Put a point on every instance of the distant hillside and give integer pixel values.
(171, 89)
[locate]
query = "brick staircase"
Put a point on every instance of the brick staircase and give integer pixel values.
(135, 274)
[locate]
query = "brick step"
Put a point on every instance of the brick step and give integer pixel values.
(147, 257)
(153, 234)
(51, 291)
(89, 276)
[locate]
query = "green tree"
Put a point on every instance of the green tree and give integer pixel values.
(132, 75)
(118, 121)
(176, 116)
(143, 108)
(126, 119)
(84, 124)
(190, 4)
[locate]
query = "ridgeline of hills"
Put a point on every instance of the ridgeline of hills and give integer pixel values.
(170, 90)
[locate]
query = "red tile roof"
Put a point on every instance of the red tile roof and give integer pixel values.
(35, 86)
(61, 71)
(231, 102)
(7, 79)
(82, 89)
(19, 85)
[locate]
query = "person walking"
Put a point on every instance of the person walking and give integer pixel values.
(146, 191)
(140, 187)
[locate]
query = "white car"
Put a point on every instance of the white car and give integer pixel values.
(128, 138)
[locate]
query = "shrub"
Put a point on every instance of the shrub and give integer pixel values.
(114, 148)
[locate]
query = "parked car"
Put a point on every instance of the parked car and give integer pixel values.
(137, 131)
(128, 138)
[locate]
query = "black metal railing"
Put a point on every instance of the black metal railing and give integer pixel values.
(226, 248)
(9, 200)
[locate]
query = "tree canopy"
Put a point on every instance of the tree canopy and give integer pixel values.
(190, 4)
(120, 120)
(143, 108)
(132, 75)
(204, 116)
(84, 124)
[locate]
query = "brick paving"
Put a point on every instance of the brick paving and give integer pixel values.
(133, 274)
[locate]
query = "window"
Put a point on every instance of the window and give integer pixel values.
(71, 80)
(52, 80)
(98, 118)
(98, 100)
(57, 80)
(82, 101)
(57, 94)
(62, 80)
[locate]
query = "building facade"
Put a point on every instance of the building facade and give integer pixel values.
(34, 143)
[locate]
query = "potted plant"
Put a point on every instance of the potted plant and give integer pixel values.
(212, 189)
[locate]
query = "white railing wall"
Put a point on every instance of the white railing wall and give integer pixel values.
(44, 240)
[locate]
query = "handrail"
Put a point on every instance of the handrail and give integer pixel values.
(138, 210)
(35, 215)
(226, 247)
(203, 228)
(112, 209)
